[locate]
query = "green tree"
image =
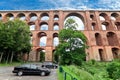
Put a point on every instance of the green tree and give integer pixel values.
(72, 44)
(14, 39)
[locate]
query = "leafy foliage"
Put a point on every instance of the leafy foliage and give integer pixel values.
(113, 70)
(72, 44)
(14, 38)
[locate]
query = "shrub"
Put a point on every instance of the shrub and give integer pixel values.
(113, 70)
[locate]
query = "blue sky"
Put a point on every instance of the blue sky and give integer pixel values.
(59, 4)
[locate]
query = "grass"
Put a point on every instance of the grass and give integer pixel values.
(11, 64)
(88, 71)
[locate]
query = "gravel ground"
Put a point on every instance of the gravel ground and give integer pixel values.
(6, 74)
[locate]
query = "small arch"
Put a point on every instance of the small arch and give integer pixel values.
(112, 39)
(117, 25)
(114, 16)
(98, 39)
(0, 17)
(116, 53)
(10, 16)
(91, 17)
(101, 54)
(55, 56)
(31, 25)
(31, 39)
(21, 16)
(33, 16)
(105, 26)
(103, 16)
(94, 27)
(42, 39)
(56, 17)
(43, 26)
(56, 26)
(44, 16)
(55, 39)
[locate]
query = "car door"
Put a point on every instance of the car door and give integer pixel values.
(26, 68)
(34, 69)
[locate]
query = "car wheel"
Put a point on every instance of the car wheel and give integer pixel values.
(42, 73)
(20, 73)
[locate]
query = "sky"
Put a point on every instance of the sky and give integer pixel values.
(59, 4)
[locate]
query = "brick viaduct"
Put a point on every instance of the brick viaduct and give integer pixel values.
(102, 29)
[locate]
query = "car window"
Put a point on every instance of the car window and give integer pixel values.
(33, 66)
(26, 65)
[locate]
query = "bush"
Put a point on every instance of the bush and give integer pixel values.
(113, 70)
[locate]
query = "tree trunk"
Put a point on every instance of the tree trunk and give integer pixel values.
(1, 56)
(7, 57)
(11, 57)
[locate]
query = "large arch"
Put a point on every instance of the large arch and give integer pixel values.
(112, 39)
(78, 18)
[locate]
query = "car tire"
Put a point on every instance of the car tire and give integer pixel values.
(42, 73)
(20, 73)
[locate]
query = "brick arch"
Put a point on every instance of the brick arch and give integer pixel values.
(55, 25)
(117, 24)
(77, 15)
(20, 15)
(55, 39)
(38, 54)
(94, 27)
(107, 25)
(32, 25)
(98, 39)
(115, 15)
(101, 54)
(41, 35)
(43, 23)
(104, 15)
(115, 52)
(43, 14)
(55, 34)
(56, 17)
(8, 15)
(32, 16)
(112, 39)
(0, 16)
